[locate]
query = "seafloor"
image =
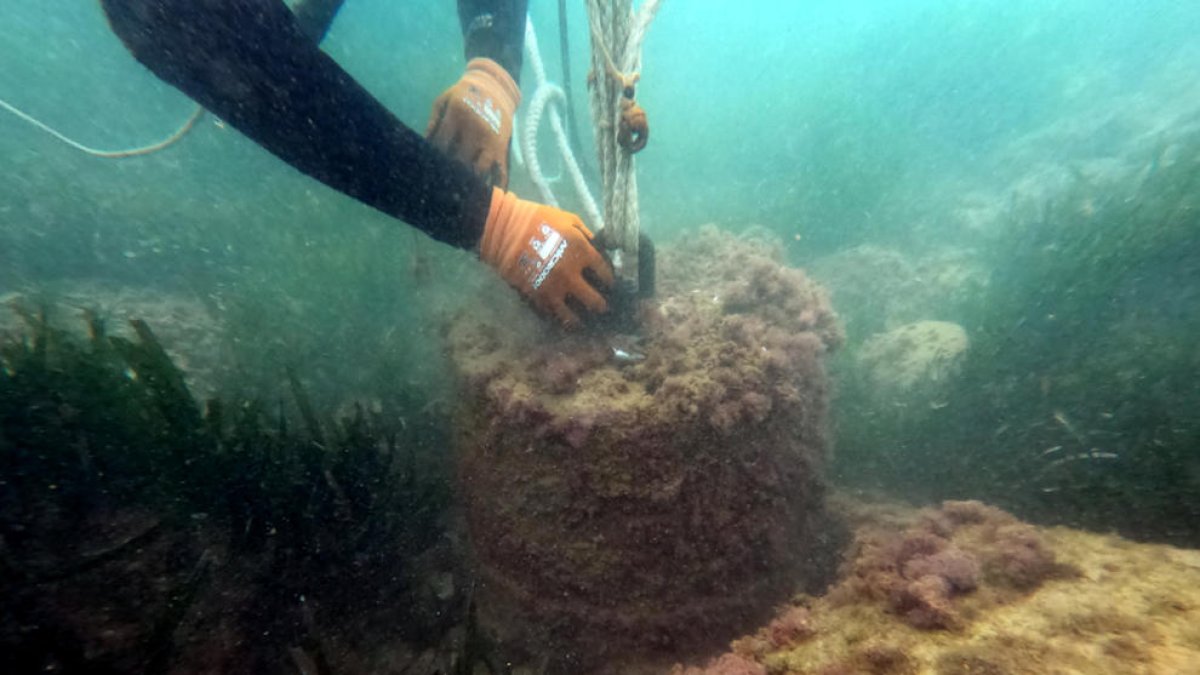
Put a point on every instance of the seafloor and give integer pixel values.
(967, 588)
(208, 584)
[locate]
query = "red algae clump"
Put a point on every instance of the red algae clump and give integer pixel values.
(624, 512)
(794, 625)
(920, 573)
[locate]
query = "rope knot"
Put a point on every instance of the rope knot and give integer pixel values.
(634, 130)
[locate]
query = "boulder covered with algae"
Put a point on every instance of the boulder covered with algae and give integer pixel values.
(634, 501)
(967, 588)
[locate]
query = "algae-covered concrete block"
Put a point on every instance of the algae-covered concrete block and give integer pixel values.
(636, 500)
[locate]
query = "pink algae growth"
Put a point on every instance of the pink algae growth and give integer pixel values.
(793, 626)
(729, 664)
(920, 573)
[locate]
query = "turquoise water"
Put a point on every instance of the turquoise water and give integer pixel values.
(1025, 170)
(934, 131)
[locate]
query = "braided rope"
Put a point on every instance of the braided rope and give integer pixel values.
(617, 36)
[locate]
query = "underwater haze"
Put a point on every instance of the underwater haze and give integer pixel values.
(1000, 197)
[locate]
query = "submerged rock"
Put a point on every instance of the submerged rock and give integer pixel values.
(913, 364)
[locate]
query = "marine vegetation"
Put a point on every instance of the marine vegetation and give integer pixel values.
(1079, 389)
(141, 531)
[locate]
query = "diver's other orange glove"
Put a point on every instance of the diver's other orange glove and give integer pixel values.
(472, 121)
(544, 253)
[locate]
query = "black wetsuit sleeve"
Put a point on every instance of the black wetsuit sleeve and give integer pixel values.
(248, 62)
(494, 29)
(316, 16)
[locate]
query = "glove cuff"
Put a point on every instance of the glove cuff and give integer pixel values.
(505, 215)
(495, 225)
(493, 71)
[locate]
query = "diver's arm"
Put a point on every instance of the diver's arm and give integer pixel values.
(494, 29)
(316, 16)
(248, 62)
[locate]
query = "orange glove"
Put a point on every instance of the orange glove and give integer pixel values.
(472, 121)
(543, 252)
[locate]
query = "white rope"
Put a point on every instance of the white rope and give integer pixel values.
(617, 36)
(518, 155)
(533, 119)
(540, 104)
(632, 59)
(108, 154)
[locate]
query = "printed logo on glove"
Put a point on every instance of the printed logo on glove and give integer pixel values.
(472, 121)
(547, 255)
